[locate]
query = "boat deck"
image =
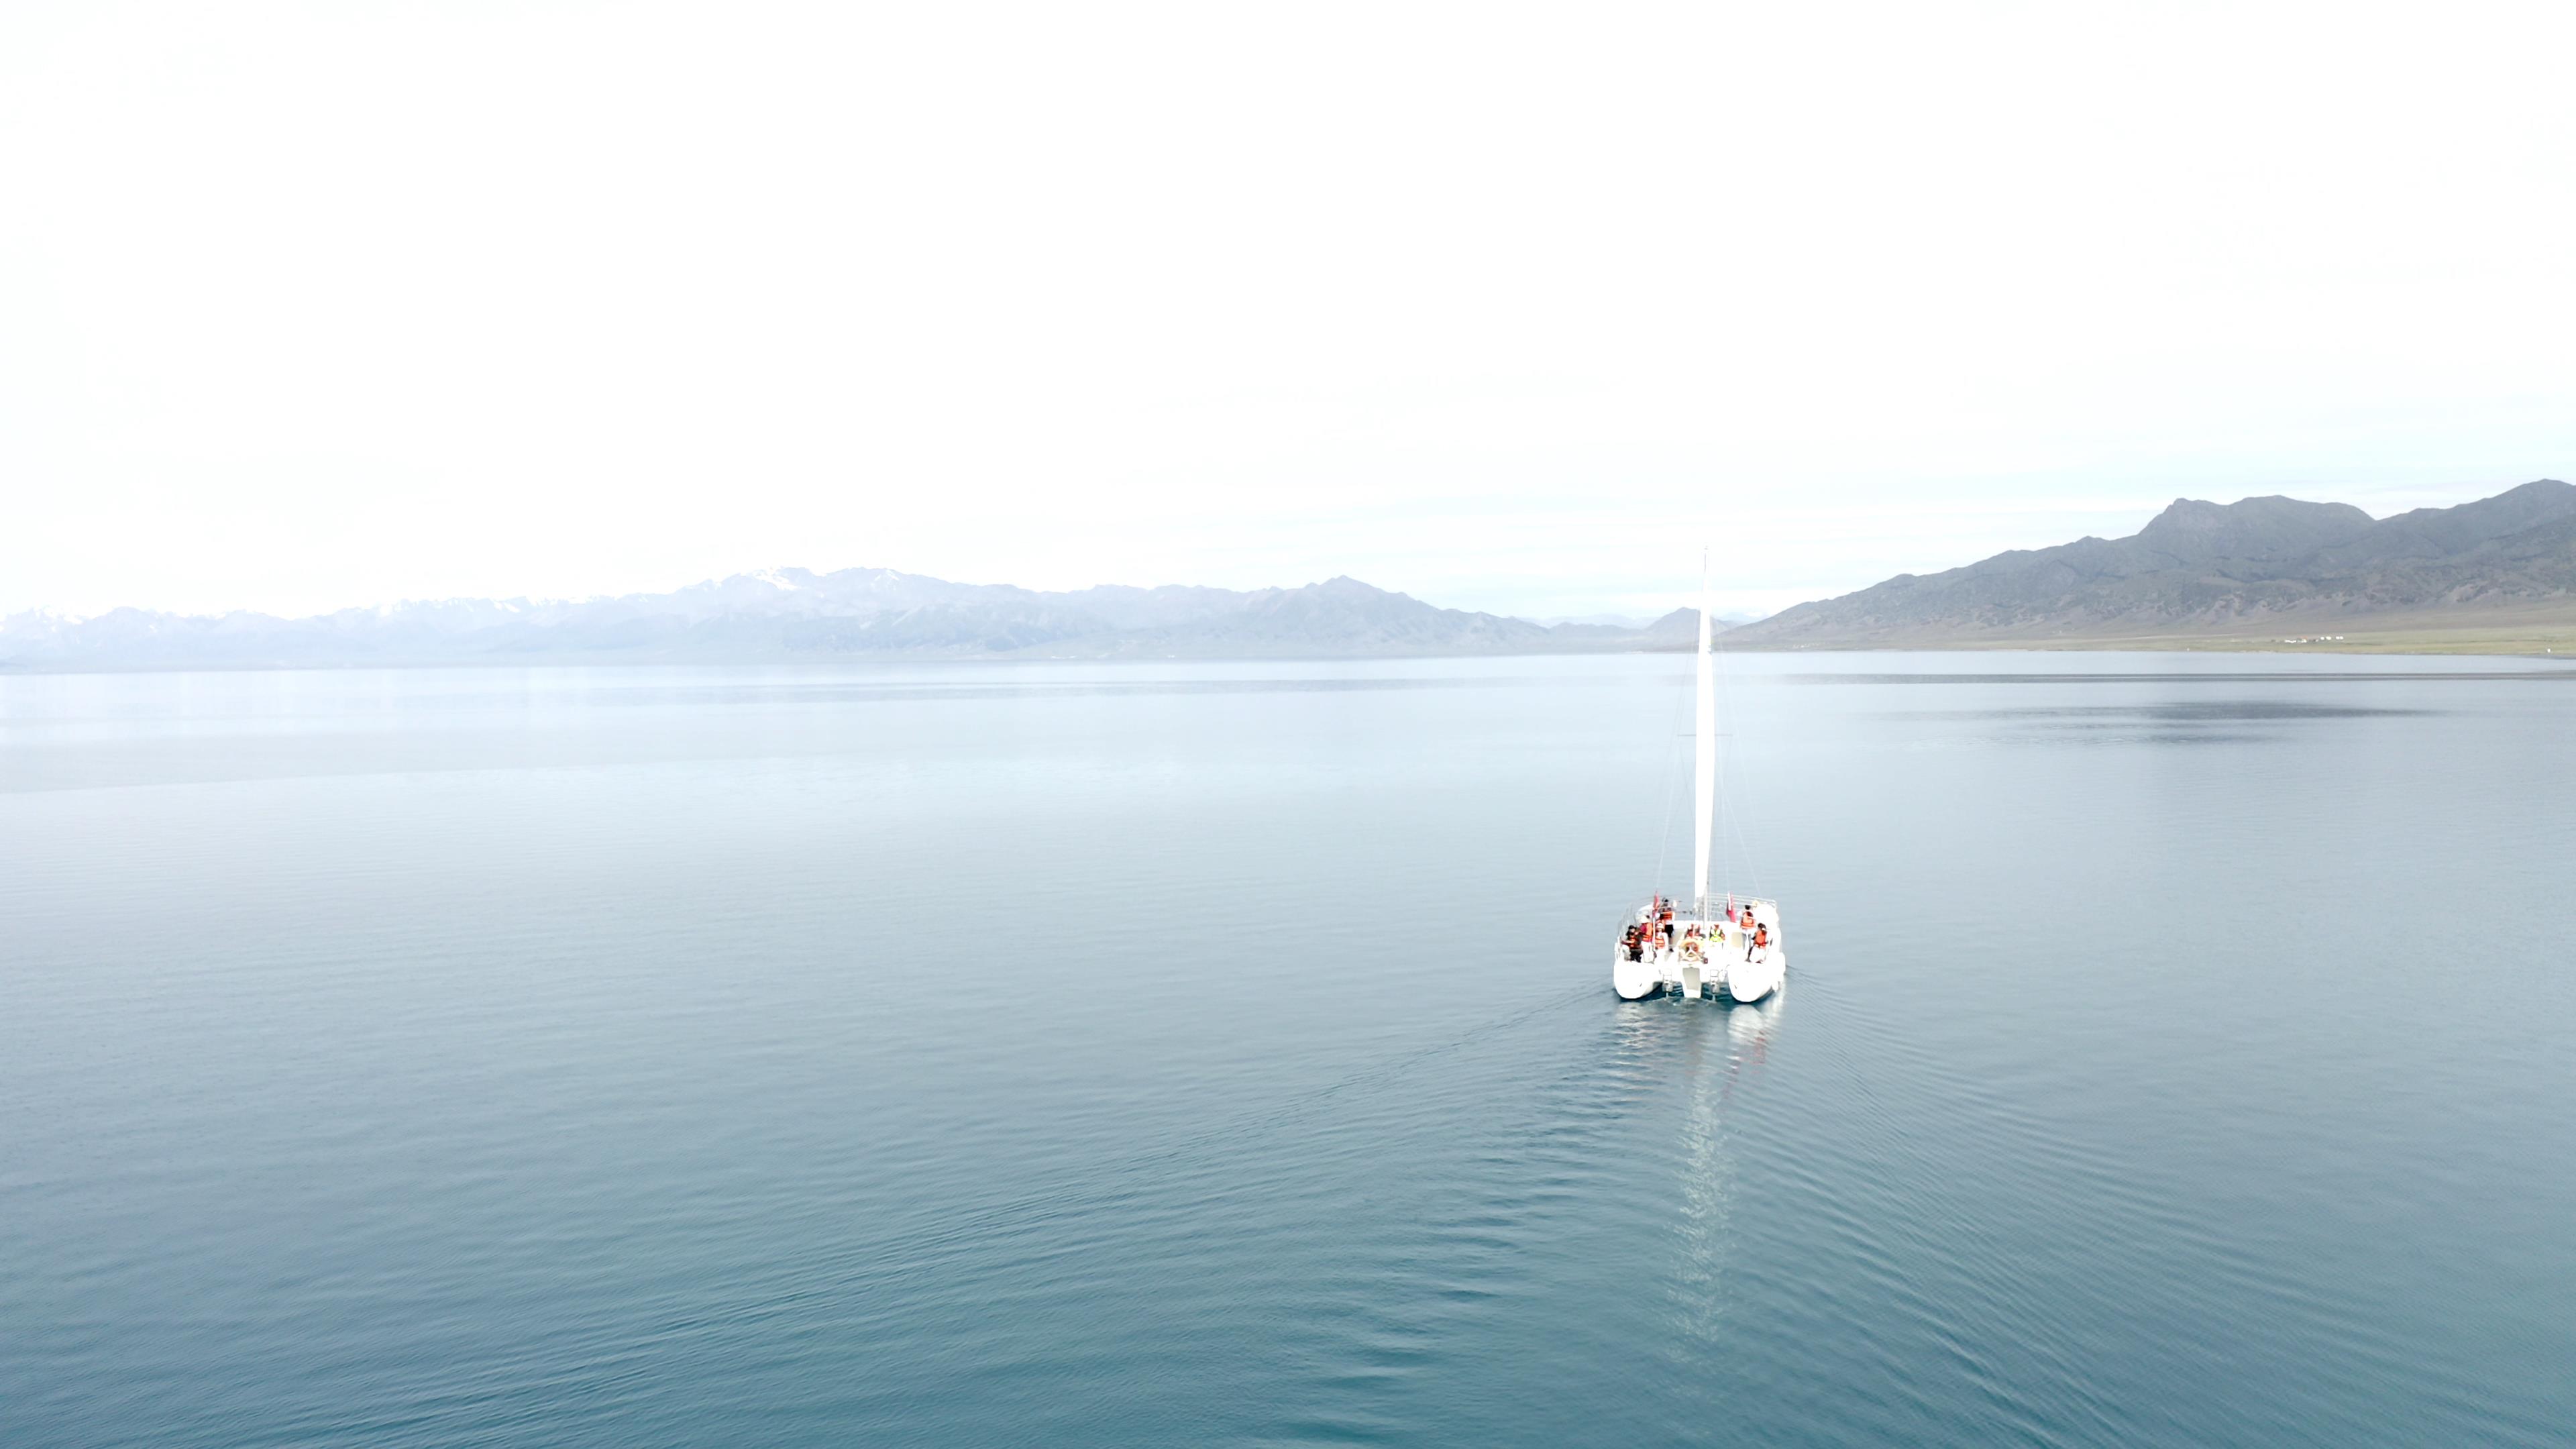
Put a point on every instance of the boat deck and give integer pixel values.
(1694, 952)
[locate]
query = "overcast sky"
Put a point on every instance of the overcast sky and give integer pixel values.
(1508, 307)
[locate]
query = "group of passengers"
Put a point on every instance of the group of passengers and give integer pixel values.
(1659, 933)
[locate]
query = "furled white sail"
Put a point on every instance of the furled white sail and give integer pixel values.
(1704, 777)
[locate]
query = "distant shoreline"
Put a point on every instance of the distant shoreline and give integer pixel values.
(2537, 643)
(2562, 647)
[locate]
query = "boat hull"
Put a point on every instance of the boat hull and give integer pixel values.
(1760, 977)
(1633, 980)
(1707, 959)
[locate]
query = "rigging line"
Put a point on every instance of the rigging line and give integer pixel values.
(1672, 791)
(1734, 816)
(1749, 871)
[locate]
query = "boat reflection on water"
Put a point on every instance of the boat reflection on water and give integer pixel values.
(1751, 1025)
(1716, 1062)
(1649, 1035)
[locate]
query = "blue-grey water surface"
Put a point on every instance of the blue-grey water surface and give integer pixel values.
(2176, 1053)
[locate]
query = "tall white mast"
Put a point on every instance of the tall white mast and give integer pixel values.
(1704, 778)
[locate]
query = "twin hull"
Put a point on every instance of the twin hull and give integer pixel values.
(1724, 962)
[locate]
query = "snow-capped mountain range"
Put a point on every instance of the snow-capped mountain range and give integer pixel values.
(794, 613)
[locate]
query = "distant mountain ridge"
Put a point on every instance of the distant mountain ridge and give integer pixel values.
(2196, 570)
(795, 613)
(2202, 567)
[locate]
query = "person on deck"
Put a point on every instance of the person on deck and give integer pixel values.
(1760, 941)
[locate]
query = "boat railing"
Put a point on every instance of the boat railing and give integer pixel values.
(1717, 906)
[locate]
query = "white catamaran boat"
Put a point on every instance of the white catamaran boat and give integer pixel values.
(1701, 947)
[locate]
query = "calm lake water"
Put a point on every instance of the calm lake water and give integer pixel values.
(2178, 1053)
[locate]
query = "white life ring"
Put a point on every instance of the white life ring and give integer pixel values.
(1692, 949)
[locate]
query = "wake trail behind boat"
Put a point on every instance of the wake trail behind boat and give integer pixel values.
(1136, 1175)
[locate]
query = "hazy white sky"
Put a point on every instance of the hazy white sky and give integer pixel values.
(1506, 306)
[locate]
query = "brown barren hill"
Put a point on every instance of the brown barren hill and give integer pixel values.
(2494, 576)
